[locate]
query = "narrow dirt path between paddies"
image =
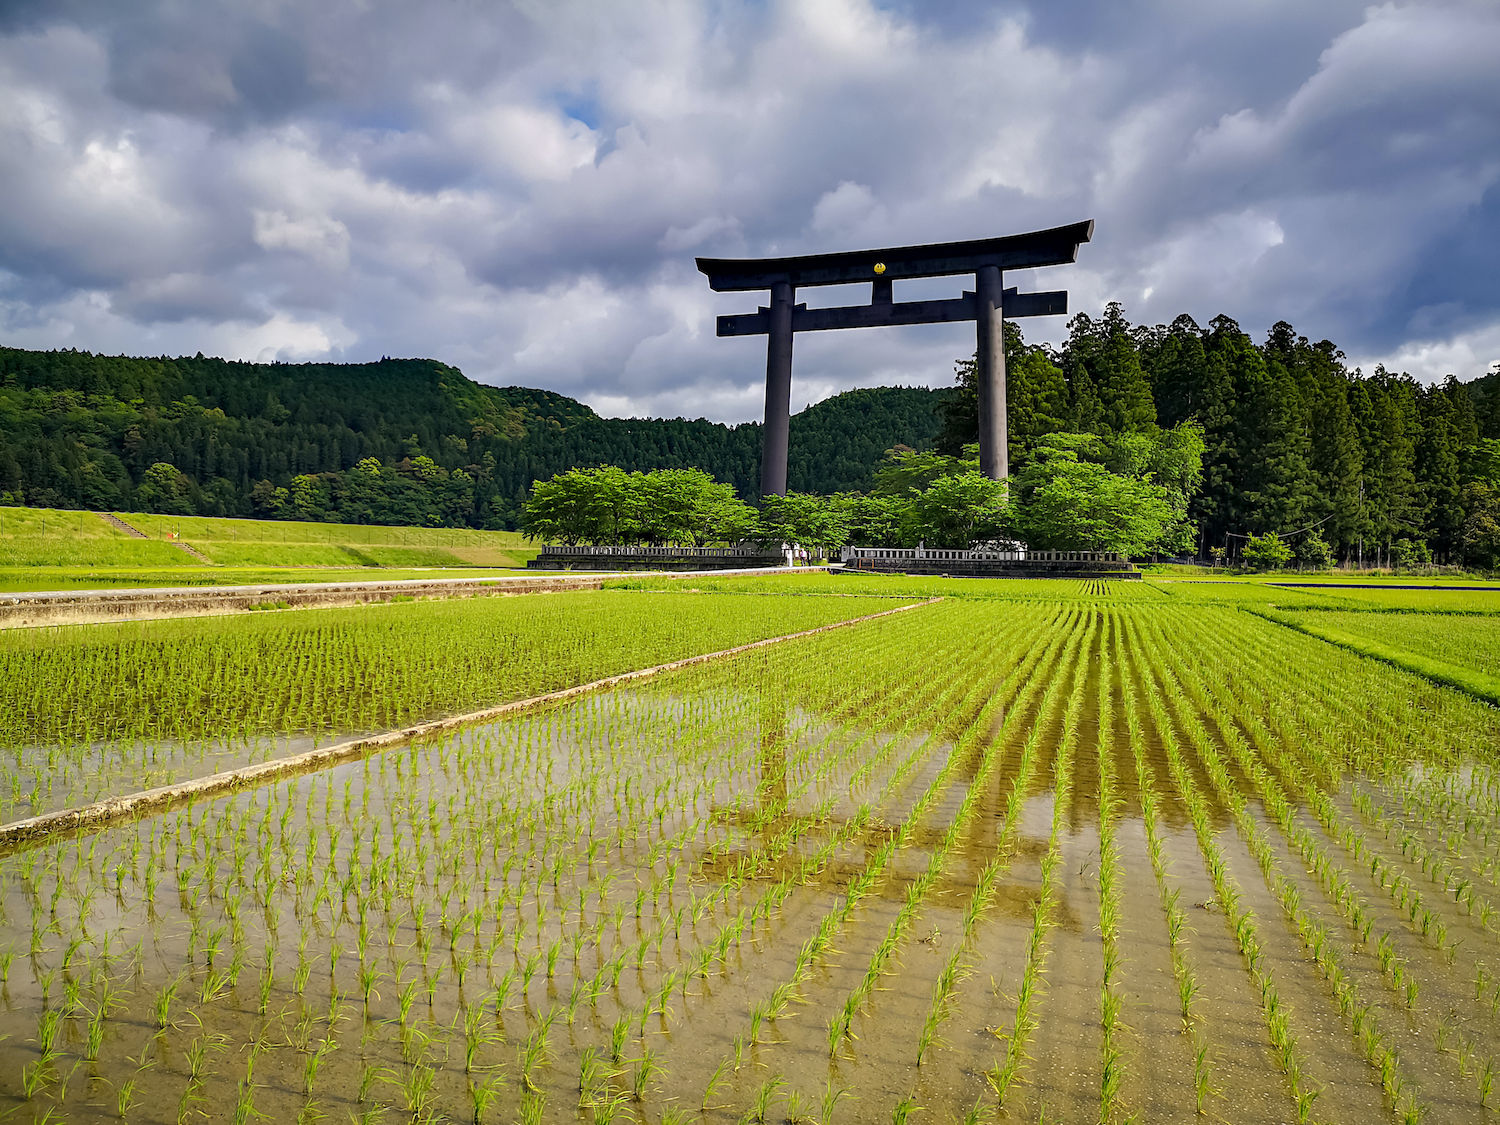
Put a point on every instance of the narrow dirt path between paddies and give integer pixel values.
(34, 609)
(985, 859)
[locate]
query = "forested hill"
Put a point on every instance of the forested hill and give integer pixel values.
(399, 441)
(1293, 437)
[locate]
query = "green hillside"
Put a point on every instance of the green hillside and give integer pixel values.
(410, 442)
(50, 548)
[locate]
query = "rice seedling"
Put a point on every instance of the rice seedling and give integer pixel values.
(760, 1111)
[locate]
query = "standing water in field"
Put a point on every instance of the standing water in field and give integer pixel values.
(1073, 861)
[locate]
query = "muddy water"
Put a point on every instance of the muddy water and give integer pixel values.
(1161, 1075)
(554, 915)
(1449, 1093)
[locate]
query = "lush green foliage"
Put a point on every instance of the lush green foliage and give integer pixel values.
(610, 506)
(1313, 551)
(812, 521)
(1069, 504)
(400, 441)
(1293, 439)
(1127, 492)
(1266, 552)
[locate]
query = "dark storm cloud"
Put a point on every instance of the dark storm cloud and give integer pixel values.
(520, 189)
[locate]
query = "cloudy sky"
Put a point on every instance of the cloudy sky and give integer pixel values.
(520, 189)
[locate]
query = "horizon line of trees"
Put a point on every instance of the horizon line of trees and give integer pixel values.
(1076, 492)
(1294, 440)
(284, 441)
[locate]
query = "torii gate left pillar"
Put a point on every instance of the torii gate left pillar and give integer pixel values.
(988, 306)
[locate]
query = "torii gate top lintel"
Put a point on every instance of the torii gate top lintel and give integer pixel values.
(987, 305)
(1055, 247)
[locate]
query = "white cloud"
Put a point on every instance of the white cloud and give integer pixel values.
(849, 210)
(316, 237)
(1467, 355)
(520, 189)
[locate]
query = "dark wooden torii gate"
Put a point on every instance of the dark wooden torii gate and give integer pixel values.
(987, 305)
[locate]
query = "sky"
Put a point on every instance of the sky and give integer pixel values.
(519, 189)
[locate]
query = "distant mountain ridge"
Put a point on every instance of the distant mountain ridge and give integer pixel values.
(84, 430)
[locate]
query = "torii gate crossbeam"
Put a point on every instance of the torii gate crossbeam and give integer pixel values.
(987, 306)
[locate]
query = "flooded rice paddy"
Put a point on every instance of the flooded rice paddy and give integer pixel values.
(1074, 862)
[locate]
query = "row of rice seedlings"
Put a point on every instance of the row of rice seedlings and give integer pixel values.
(942, 1004)
(813, 947)
(1454, 821)
(917, 754)
(1431, 779)
(1424, 920)
(533, 1043)
(950, 686)
(1006, 1071)
(1332, 879)
(1377, 1046)
(1401, 718)
(1432, 801)
(657, 811)
(1213, 701)
(1404, 722)
(1449, 877)
(861, 885)
(1241, 919)
(1335, 884)
(910, 697)
(971, 678)
(1111, 1000)
(1361, 850)
(840, 1024)
(1184, 972)
(1409, 899)
(1011, 708)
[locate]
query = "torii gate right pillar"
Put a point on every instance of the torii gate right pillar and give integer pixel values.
(994, 454)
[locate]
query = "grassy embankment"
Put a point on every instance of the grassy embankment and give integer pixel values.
(50, 549)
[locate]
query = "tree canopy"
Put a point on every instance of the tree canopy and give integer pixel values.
(607, 505)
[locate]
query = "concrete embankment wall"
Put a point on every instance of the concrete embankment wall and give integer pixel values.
(93, 607)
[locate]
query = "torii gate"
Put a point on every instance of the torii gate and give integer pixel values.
(988, 305)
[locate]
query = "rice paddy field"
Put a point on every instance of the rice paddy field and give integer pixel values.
(1036, 851)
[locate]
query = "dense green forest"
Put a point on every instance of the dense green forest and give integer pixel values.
(399, 441)
(1295, 440)
(1294, 437)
